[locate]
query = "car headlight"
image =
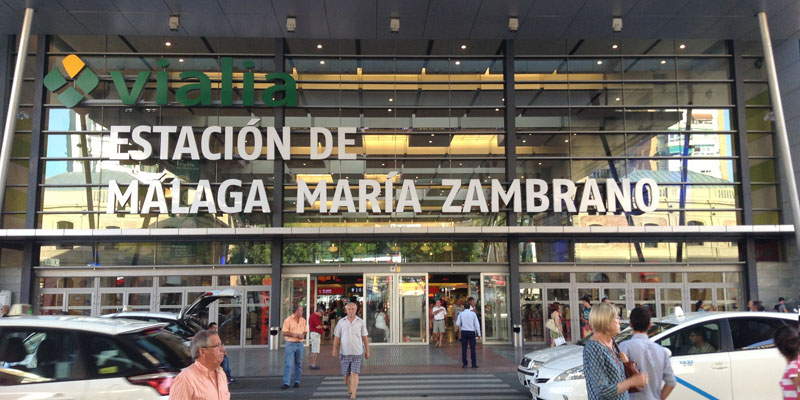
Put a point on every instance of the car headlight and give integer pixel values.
(571, 374)
(536, 364)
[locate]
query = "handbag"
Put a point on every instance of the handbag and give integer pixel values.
(560, 341)
(629, 367)
(551, 325)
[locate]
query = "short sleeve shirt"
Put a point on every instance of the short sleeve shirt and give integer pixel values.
(350, 335)
(787, 386)
(437, 315)
(313, 322)
(290, 325)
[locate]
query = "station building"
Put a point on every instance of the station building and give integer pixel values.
(527, 154)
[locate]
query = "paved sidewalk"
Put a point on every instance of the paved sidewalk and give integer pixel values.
(390, 359)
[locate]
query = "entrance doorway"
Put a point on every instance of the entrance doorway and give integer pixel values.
(453, 290)
(396, 308)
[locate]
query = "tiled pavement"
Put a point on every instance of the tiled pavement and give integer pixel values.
(390, 359)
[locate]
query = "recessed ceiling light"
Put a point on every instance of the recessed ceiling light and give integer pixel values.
(322, 62)
(460, 164)
(599, 62)
(617, 99)
(524, 141)
(663, 62)
(566, 140)
(319, 46)
(167, 43)
(430, 141)
(463, 47)
(383, 164)
(497, 109)
(503, 99)
(682, 46)
(391, 99)
(540, 163)
(389, 109)
(180, 60)
(458, 62)
(615, 46)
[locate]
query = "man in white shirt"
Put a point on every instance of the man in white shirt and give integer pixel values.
(439, 313)
(467, 320)
(351, 335)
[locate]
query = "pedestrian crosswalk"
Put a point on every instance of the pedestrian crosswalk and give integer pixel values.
(429, 386)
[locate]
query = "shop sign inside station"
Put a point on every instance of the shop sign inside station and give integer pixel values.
(389, 194)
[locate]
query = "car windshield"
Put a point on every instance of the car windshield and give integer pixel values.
(626, 332)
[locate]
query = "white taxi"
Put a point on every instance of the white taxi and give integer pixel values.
(66, 357)
(715, 355)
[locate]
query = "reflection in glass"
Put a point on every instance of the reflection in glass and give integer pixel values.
(294, 292)
(377, 297)
(532, 310)
(495, 308)
(257, 328)
(413, 309)
(229, 317)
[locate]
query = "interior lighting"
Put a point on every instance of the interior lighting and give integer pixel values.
(447, 247)
(168, 43)
(319, 46)
(180, 60)
(463, 47)
(599, 62)
(395, 247)
(458, 62)
(524, 141)
(497, 109)
(291, 24)
(682, 46)
(425, 247)
(614, 46)
(430, 141)
(333, 248)
(394, 25)
(566, 140)
(391, 99)
(322, 62)
(617, 99)
(540, 163)
(390, 110)
(663, 62)
(513, 24)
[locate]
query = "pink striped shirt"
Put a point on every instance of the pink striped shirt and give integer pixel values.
(787, 385)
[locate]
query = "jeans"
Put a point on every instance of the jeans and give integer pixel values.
(226, 366)
(294, 358)
(468, 337)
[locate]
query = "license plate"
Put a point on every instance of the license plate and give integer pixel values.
(534, 390)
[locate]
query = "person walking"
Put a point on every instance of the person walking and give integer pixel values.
(349, 344)
(295, 329)
(649, 358)
(226, 364)
(587, 308)
(781, 306)
(603, 364)
(203, 380)
(317, 328)
(556, 327)
(788, 343)
(439, 313)
(467, 320)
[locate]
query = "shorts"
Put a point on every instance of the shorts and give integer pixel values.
(350, 364)
(315, 339)
(438, 326)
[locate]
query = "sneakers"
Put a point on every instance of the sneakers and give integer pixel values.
(232, 380)
(284, 386)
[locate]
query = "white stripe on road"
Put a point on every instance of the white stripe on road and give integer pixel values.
(417, 382)
(368, 392)
(406, 377)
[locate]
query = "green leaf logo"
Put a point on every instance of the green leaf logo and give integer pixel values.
(86, 81)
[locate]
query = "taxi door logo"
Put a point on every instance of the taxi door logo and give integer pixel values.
(83, 78)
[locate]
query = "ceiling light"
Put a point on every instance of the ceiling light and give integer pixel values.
(682, 46)
(174, 22)
(425, 247)
(616, 24)
(615, 46)
(540, 163)
(383, 164)
(463, 47)
(391, 99)
(599, 62)
(566, 140)
(333, 248)
(167, 43)
(319, 46)
(447, 247)
(618, 99)
(430, 141)
(513, 24)
(322, 62)
(180, 60)
(291, 24)
(524, 141)
(389, 110)
(663, 62)
(458, 62)
(394, 25)
(497, 109)
(460, 164)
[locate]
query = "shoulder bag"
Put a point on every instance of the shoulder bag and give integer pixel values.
(629, 366)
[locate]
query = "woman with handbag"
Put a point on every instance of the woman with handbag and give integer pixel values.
(554, 326)
(603, 365)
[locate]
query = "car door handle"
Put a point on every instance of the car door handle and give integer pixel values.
(719, 366)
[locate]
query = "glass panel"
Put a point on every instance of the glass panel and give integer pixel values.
(726, 277)
(229, 315)
(51, 303)
(257, 328)
(544, 277)
(617, 299)
(600, 277)
(110, 303)
(495, 308)
(170, 302)
(176, 281)
(728, 299)
(295, 293)
(698, 295)
(592, 296)
(670, 298)
(122, 281)
(645, 298)
(559, 300)
(704, 68)
(532, 308)
(413, 309)
(377, 299)
(139, 301)
(657, 277)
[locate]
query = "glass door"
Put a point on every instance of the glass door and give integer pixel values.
(413, 308)
(532, 311)
(559, 299)
(295, 292)
(257, 320)
(378, 301)
(494, 302)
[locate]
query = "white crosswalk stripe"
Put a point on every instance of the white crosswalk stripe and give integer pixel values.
(431, 387)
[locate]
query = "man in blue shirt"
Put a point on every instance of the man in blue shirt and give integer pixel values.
(649, 357)
(467, 320)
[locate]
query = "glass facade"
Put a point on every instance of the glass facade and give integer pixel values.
(425, 112)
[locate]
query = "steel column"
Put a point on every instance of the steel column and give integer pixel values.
(782, 138)
(37, 143)
(276, 254)
(510, 126)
